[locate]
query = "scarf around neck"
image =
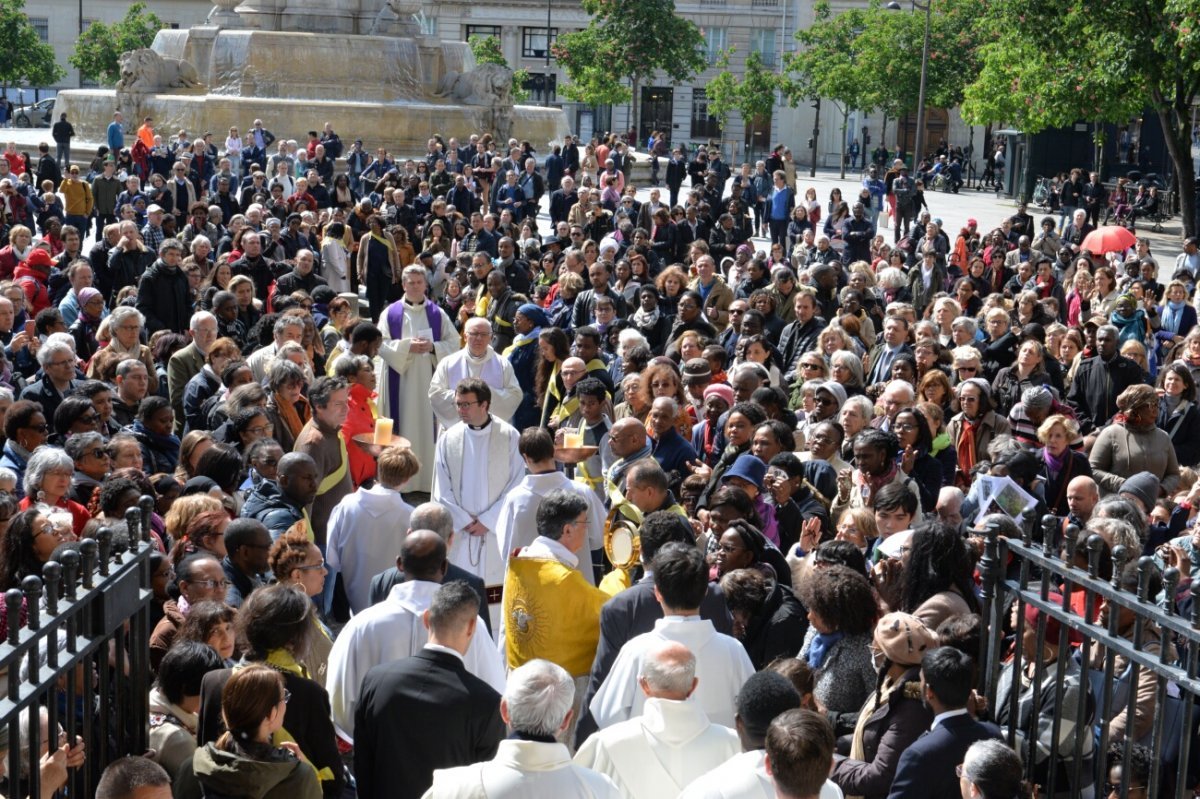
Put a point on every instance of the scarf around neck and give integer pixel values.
(643, 319)
(820, 646)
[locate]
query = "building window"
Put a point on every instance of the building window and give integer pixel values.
(543, 89)
(483, 31)
(704, 125)
(534, 42)
(763, 41)
(715, 40)
(42, 26)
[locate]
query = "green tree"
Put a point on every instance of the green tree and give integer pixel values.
(870, 58)
(97, 50)
(628, 40)
(827, 65)
(28, 60)
(487, 51)
(1125, 55)
(752, 95)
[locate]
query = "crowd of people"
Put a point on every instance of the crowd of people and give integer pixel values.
(392, 410)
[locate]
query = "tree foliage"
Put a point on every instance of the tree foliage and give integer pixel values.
(27, 59)
(97, 50)
(628, 40)
(870, 58)
(487, 51)
(752, 95)
(1124, 55)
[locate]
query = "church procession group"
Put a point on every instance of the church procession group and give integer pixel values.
(596, 493)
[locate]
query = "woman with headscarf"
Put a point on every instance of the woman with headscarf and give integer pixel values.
(973, 429)
(1131, 322)
(828, 398)
(523, 354)
(1134, 443)
(895, 715)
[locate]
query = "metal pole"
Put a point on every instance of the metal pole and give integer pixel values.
(546, 83)
(812, 172)
(919, 148)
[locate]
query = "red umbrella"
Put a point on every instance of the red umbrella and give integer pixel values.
(1110, 238)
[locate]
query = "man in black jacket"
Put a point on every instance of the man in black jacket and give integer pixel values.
(677, 170)
(927, 766)
(562, 200)
(427, 711)
(635, 610)
(163, 296)
(255, 265)
(1098, 382)
(801, 335)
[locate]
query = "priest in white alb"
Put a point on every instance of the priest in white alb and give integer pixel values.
(476, 465)
(395, 629)
(722, 666)
(477, 360)
(517, 526)
(672, 743)
(417, 336)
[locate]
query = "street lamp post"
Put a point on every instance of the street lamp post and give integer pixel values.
(919, 145)
(546, 82)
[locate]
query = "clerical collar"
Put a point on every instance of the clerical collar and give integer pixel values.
(517, 735)
(482, 426)
(407, 301)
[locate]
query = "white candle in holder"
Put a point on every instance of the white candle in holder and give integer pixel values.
(383, 432)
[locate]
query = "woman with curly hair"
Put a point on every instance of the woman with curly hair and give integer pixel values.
(296, 561)
(837, 646)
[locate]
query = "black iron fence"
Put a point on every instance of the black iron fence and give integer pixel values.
(1066, 652)
(78, 669)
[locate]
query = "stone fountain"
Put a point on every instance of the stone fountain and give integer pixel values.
(362, 65)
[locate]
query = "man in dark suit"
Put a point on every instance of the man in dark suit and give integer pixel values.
(431, 516)
(894, 342)
(427, 711)
(926, 768)
(635, 610)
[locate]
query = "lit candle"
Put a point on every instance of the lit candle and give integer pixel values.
(383, 432)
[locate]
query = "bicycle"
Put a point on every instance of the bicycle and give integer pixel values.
(1041, 193)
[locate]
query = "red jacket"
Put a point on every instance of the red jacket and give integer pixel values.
(34, 284)
(359, 420)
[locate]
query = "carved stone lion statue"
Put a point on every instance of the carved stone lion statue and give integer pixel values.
(486, 84)
(144, 71)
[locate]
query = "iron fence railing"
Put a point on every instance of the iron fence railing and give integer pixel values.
(1072, 739)
(78, 669)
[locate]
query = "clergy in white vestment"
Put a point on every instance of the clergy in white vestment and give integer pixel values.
(530, 764)
(659, 752)
(367, 527)
(477, 464)
(394, 629)
(517, 526)
(417, 336)
(764, 697)
(722, 665)
(477, 360)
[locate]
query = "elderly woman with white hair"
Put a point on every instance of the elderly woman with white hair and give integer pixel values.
(47, 481)
(123, 327)
(855, 416)
(846, 368)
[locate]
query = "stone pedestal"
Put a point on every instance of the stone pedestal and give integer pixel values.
(382, 89)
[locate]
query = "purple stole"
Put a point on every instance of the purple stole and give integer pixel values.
(395, 318)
